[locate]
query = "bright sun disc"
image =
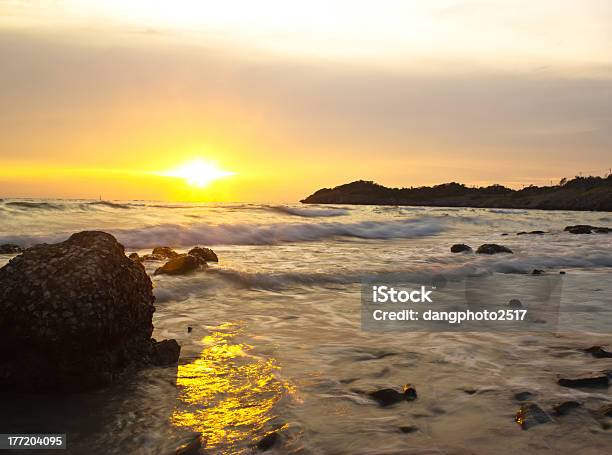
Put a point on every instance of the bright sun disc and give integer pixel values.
(198, 172)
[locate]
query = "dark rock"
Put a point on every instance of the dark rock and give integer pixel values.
(460, 248)
(10, 248)
(561, 272)
(531, 415)
(152, 257)
(531, 232)
(470, 391)
(75, 315)
(408, 429)
(492, 248)
(165, 252)
(598, 380)
(598, 352)
(181, 265)
(505, 233)
(586, 229)
(523, 396)
(135, 257)
(387, 397)
(206, 254)
(565, 407)
(191, 446)
(268, 441)
(189, 329)
(165, 352)
(605, 410)
(537, 272)
(515, 304)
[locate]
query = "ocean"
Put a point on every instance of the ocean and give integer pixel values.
(276, 342)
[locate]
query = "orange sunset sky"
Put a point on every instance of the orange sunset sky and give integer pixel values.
(271, 100)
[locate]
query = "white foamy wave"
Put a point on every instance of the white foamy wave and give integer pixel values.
(309, 212)
(270, 234)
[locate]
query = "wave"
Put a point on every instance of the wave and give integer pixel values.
(415, 274)
(309, 213)
(34, 205)
(114, 205)
(270, 234)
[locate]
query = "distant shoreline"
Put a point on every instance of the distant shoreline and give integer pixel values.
(580, 193)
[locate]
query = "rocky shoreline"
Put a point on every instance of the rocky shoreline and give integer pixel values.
(581, 193)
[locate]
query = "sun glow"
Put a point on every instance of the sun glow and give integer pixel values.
(198, 173)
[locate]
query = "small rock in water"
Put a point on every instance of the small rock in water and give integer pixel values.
(205, 254)
(515, 304)
(189, 329)
(181, 265)
(408, 429)
(410, 392)
(598, 352)
(267, 441)
(523, 396)
(561, 272)
(191, 447)
(565, 407)
(606, 410)
(460, 248)
(531, 232)
(387, 397)
(10, 248)
(492, 248)
(135, 257)
(530, 415)
(537, 272)
(165, 252)
(586, 381)
(166, 352)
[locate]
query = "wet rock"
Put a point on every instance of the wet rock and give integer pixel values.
(152, 257)
(205, 254)
(387, 397)
(10, 248)
(135, 257)
(460, 248)
(189, 329)
(166, 352)
(586, 229)
(523, 396)
(531, 232)
(268, 441)
(515, 304)
(531, 415)
(408, 429)
(598, 352)
(190, 447)
(605, 410)
(75, 315)
(181, 265)
(492, 248)
(537, 272)
(470, 391)
(561, 272)
(594, 380)
(165, 252)
(566, 407)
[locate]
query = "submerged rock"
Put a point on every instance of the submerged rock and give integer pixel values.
(606, 410)
(181, 265)
(10, 248)
(523, 396)
(165, 252)
(531, 415)
(531, 232)
(515, 304)
(268, 441)
(492, 248)
(75, 315)
(586, 381)
(408, 429)
(460, 248)
(586, 229)
(537, 272)
(205, 254)
(387, 397)
(598, 352)
(565, 407)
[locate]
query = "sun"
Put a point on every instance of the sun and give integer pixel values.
(198, 172)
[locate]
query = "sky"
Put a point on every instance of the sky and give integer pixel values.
(117, 99)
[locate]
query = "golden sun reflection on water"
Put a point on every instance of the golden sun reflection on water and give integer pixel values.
(227, 394)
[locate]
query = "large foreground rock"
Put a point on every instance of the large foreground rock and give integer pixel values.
(73, 315)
